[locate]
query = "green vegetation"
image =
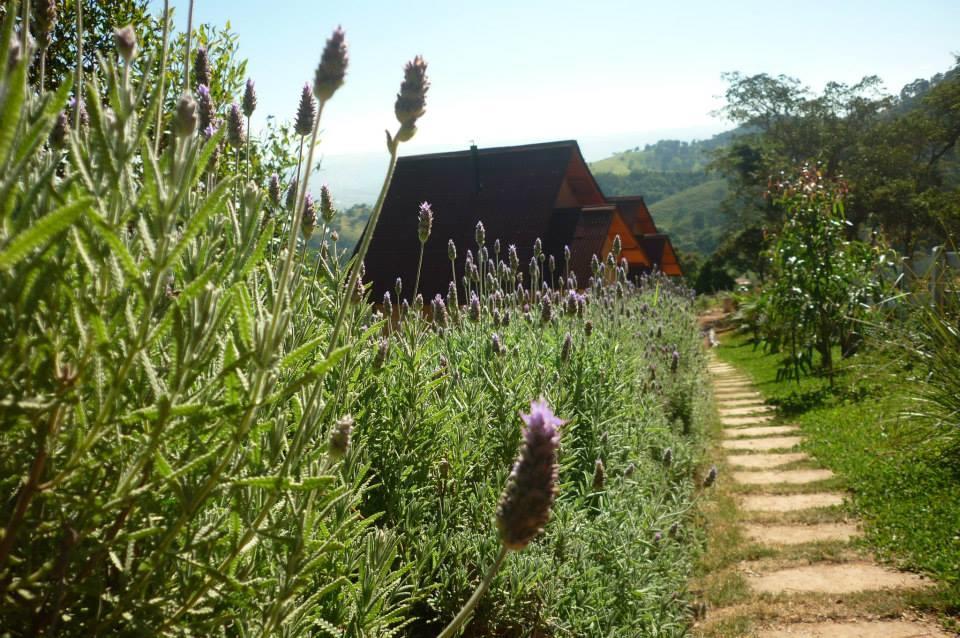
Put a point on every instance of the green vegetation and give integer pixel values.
(666, 156)
(684, 197)
(208, 428)
(349, 225)
(821, 286)
(898, 154)
(907, 494)
(694, 217)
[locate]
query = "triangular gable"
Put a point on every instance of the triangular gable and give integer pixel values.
(635, 212)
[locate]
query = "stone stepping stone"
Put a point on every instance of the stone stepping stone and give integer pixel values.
(789, 502)
(856, 629)
(798, 534)
(741, 403)
(769, 443)
(725, 391)
(746, 410)
(737, 396)
(731, 382)
(734, 433)
(782, 477)
(746, 420)
(765, 461)
(843, 578)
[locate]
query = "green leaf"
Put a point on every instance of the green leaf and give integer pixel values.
(42, 231)
(40, 130)
(120, 251)
(316, 372)
(12, 108)
(310, 484)
(163, 467)
(256, 256)
(210, 205)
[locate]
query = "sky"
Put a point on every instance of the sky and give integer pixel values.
(612, 74)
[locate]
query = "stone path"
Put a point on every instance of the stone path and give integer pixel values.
(799, 575)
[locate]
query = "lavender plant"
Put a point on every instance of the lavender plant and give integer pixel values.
(205, 429)
(164, 420)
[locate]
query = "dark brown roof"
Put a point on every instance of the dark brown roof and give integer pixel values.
(635, 212)
(660, 250)
(513, 190)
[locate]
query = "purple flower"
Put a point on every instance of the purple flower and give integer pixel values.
(496, 345)
(332, 68)
(306, 112)
(525, 504)
(235, 133)
(424, 222)
(273, 189)
(340, 437)
(383, 350)
(387, 304)
(711, 477)
(207, 113)
(546, 309)
(474, 307)
(566, 348)
(309, 219)
(412, 99)
(201, 67)
(326, 204)
(249, 99)
(439, 310)
(599, 475)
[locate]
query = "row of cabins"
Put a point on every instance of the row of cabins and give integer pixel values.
(520, 193)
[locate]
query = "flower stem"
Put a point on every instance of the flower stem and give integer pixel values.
(163, 75)
(416, 281)
(393, 146)
(464, 613)
(186, 59)
(79, 88)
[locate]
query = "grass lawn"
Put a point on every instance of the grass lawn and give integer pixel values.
(908, 499)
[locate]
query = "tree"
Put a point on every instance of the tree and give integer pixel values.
(897, 153)
(820, 281)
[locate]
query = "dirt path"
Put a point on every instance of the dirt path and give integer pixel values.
(783, 559)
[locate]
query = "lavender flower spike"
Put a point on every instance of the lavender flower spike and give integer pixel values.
(306, 112)
(711, 477)
(201, 67)
(332, 68)
(425, 222)
(249, 98)
(235, 133)
(525, 504)
(412, 99)
(126, 41)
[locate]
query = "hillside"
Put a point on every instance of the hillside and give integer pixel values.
(672, 176)
(693, 216)
(671, 156)
(349, 225)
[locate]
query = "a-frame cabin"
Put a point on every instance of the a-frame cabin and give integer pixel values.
(520, 193)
